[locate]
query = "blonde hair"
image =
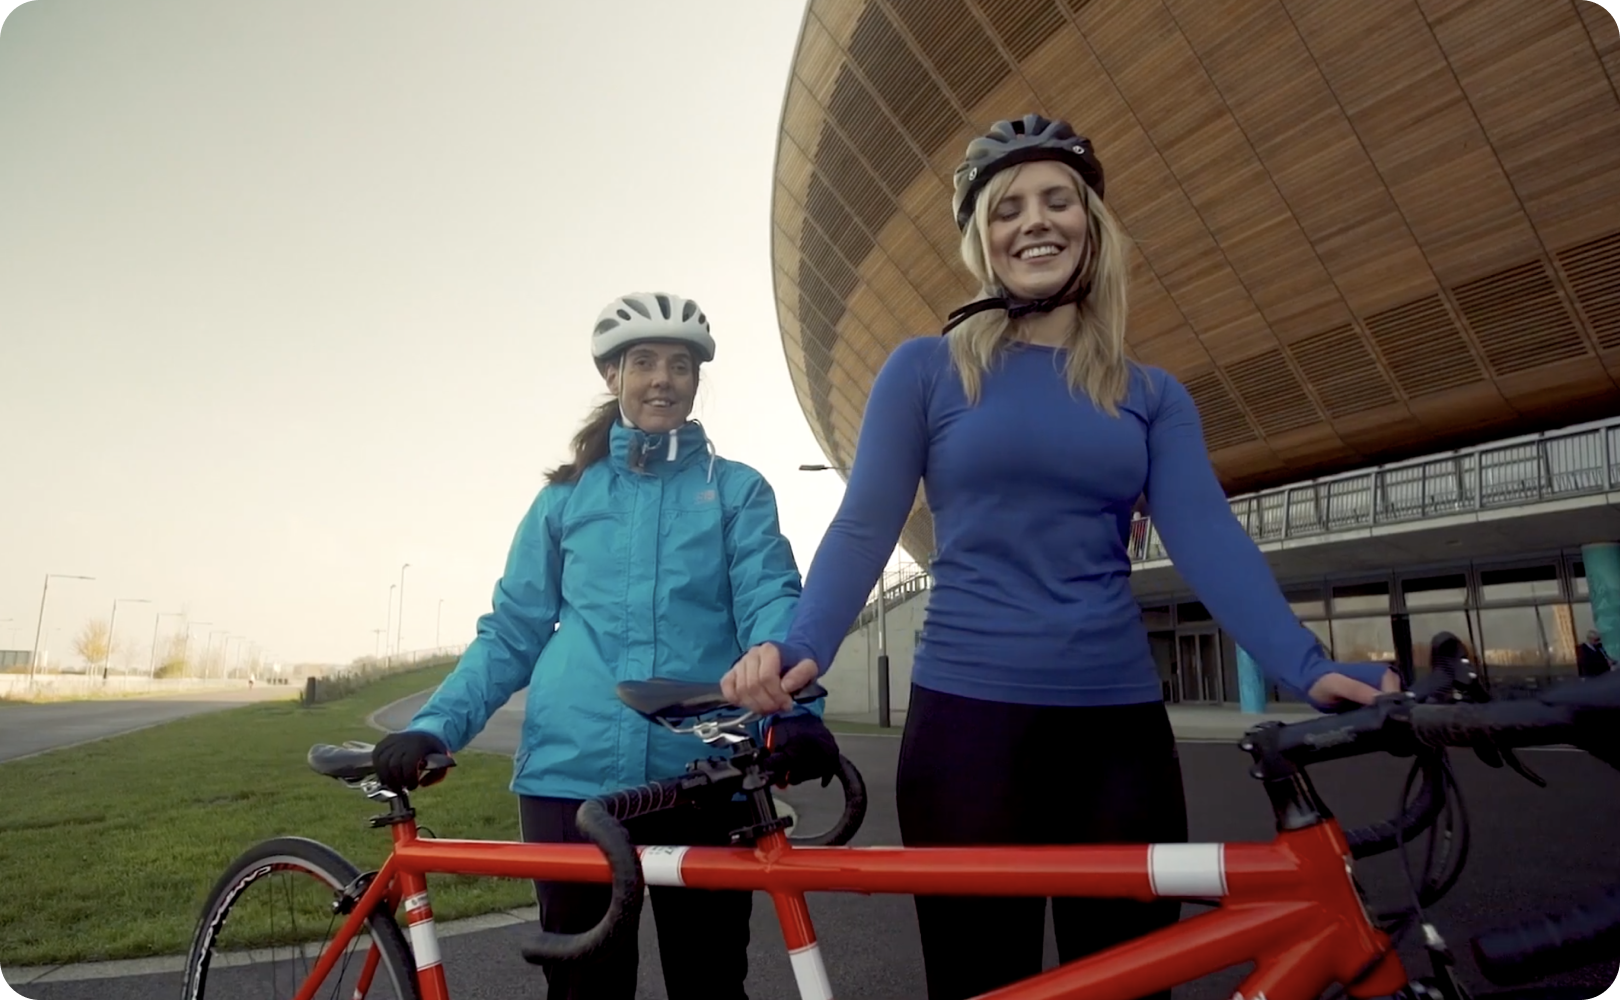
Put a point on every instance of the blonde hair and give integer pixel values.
(1097, 363)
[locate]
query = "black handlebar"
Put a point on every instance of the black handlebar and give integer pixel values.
(601, 820)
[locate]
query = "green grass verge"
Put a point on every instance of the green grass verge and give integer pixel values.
(107, 851)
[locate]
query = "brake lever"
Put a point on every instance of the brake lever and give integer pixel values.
(1522, 769)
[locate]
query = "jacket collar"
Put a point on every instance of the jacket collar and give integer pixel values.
(635, 450)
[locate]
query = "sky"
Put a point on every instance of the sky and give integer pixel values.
(293, 293)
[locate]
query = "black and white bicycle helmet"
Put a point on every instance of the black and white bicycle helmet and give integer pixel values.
(647, 316)
(1022, 140)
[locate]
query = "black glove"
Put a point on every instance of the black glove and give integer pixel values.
(398, 757)
(800, 748)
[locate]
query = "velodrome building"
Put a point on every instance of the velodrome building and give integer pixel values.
(1378, 242)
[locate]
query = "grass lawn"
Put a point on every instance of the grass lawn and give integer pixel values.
(108, 850)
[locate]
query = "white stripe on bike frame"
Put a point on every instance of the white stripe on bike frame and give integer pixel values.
(810, 973)
(662, 865)
(425, 944)
(1187, 870)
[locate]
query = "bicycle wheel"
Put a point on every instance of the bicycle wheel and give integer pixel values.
(268, 919)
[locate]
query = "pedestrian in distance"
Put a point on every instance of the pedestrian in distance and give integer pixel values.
(646, 555)
(1036, 714)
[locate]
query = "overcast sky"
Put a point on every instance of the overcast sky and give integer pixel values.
(295, 292)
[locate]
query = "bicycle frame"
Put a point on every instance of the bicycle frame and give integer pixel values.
(1288, 905)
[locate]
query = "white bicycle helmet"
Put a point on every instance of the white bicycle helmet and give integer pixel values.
(643, 316)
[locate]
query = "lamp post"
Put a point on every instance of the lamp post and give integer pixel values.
(389, 649)
(151, 671)
(399, 634)
(33, 657)
(185, 650)
(208, 649)
(376, 643)
(882, 619)
(438, 619)
(106, 660)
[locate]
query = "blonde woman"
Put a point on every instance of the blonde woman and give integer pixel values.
(1036, 715)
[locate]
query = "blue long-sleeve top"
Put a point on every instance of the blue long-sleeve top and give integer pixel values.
(1031, 492)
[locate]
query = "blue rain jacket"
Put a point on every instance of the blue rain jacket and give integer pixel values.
(663, 560)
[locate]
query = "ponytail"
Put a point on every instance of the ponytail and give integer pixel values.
(591, 444)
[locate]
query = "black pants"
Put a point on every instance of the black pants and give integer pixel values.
(978, 773)
(702, 934)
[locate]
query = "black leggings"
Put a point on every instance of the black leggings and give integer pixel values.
(978, 773)
(702, 934)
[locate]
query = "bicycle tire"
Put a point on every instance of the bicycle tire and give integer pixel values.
(1543, 993)
(323, 863)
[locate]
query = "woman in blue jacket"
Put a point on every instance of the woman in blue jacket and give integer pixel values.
(645, 556)
(1036, 714)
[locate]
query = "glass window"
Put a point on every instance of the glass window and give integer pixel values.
(1564, 633)
(1584, 622)
(1527, 646)
(1519, 584)
(1324, 635)
(1578, 578)
(1306, 601)
(1358, 639)
(1157, 619)
(1426, 624)
(1192, 612)
(1354, 597)
(1450, 590)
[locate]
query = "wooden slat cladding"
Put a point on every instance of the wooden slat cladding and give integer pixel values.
(1022, 25)
(1519, 320)
(1425, 351)
(1224, 422)
(1270, 391)
(1343, 372)
(1593, 269)
(955, 45)
(1359, 228)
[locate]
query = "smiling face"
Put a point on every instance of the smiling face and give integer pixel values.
(1037, 231)
(656, 385)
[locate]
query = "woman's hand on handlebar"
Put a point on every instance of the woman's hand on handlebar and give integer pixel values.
(757, 682)
(1354, 684)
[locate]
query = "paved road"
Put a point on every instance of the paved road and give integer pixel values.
(1533, 849)
(27, 728)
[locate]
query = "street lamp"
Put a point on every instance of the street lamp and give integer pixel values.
(33, 657)
(208, 649)
(882, 622)
(151, 671)
(399, 634)
(438, 619)
(112, 623)
(185, 650)
(390, 626)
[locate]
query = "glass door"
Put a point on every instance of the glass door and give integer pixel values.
(1198, 666)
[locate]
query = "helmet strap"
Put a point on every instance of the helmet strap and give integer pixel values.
(1074, 290)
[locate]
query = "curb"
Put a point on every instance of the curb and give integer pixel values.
(118, 969)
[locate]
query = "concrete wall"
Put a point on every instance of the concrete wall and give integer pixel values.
(852, 683)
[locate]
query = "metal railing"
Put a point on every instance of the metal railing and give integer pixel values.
(1554, 466)
(1574, 462)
